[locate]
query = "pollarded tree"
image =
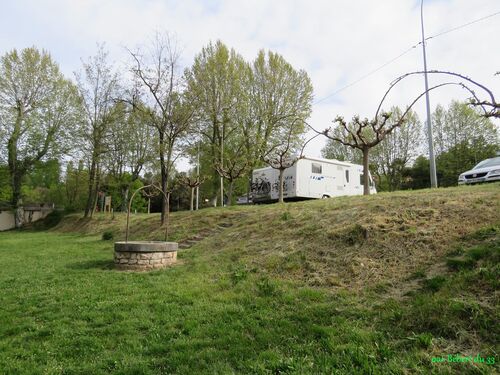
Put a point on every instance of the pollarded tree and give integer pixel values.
(191, 181)
(38, 110)
(283, 149)
(235, 163)
(364, 134)
(390, 156)
(338, 151)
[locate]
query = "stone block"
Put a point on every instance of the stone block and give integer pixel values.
(144, 255)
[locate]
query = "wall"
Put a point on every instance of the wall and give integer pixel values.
(30, 215)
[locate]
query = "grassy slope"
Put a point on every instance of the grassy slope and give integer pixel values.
(350, 285)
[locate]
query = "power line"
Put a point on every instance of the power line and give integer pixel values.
(401, 55)
(462, 26)
(367, 74)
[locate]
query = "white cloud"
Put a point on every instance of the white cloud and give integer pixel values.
(336, 42)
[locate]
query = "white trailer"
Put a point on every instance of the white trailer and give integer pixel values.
(309, 178)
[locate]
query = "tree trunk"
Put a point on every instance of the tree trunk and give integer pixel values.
(163, 171)
(97, 187)
(366, 172)
(167, 216)
(16, 188)
(282, 172)
(192, 199)
(230, 193)
(249, 186)
(17, 202)
(16, 173)
(125, 190)
(90, 197)
(19, 217)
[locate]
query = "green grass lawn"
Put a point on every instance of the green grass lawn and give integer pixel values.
(65, 310)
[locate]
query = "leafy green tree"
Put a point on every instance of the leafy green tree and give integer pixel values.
(43, 183)
(418, 175)
(280, 102)
(38, 109)
(131, 148)
(394, 153)
(113, 187)
(463, 137)
(215, 88)
(461, 158)
(75, 186)
(45, 174)
(5, 188)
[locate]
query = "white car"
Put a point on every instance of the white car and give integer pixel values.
(486, 171)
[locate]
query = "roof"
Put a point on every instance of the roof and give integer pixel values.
(321, 160)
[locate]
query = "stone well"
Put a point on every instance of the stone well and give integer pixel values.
(144, 255)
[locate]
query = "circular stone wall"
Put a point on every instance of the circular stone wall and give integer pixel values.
(144, 255)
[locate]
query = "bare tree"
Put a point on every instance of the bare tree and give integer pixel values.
(192, 182)
(98, 86)
(236, 164)
(366, 134)
(158, 72)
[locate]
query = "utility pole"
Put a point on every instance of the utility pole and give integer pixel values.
(432, 160)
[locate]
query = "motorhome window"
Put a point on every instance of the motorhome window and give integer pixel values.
(361, 179)
(347, 176)
(315, 168)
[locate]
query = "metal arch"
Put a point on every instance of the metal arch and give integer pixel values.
(167, 197)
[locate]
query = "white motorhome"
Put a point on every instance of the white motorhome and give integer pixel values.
(309, 178)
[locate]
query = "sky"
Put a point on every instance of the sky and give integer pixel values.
(337, 42)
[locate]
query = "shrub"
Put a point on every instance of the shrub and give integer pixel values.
(107, 236)
(50, 221)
